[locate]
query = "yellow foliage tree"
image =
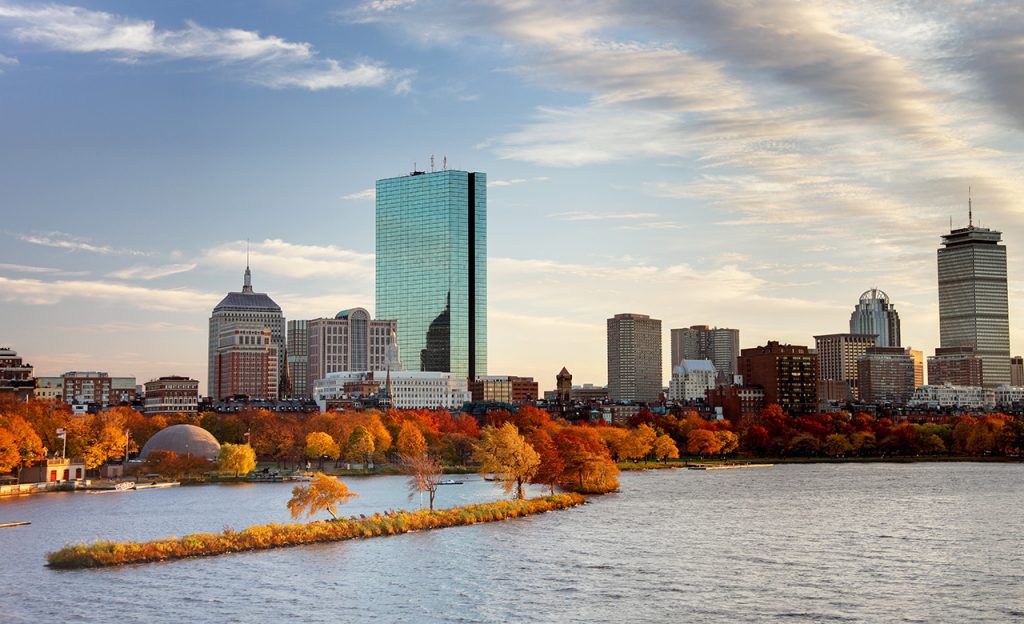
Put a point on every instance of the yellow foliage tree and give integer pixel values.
(410, 440)
(107, 443)
(639, 443)
(614, 438)
(360, 446)
(507, 455)
(320, 445)
(236, 458)
(665, 447)
(703, 442)
(324, 493)
(729, 440)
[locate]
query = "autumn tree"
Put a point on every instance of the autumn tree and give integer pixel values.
(702, 442)
(9, 455)
(236, 458)
(729, 442)
(665, 448)
(587, 461)
(615, 439)
(108, 442)
(360, 446)
(30, 447)
(503, 452)
(323, 493)
(320, 445)
(638, 443)
(837, 445)
(424, 475)
(552, 466)
(410, 440)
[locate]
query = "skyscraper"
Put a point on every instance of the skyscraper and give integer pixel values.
(700, 342)
(874, 315)
(634, 358)
(351, 341)
(252, 312)
(298, 359)
(432, 268)
(787, 373)
(838, 355)
(973, 301)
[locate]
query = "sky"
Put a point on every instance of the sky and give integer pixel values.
(755, 165)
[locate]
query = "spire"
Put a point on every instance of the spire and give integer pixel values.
(247, 284)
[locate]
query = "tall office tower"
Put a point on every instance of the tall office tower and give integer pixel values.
(876, 316)
(350, 341)
(918, 357)
(246, 362)
(634, 358)
(1017, 371)
(251, 310)
(787, 373)
(886, 375)
(700, 342)
(973, 302)
(838, 355)
(432, 269)
(298, 359)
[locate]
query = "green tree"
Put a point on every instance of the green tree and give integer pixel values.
(236, 458)
(360, 446)
(507, 455)
(323, 493)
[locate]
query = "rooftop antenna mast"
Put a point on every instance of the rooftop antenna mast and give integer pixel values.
(970, 209)
(444, 163)
(431, 163)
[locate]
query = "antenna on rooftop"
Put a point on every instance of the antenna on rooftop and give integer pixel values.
(970, 209)
(431, 163)
(444, 163)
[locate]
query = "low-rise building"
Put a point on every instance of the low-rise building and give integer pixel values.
(957, 366)
(15, 376)
(172, 395)
(54, 469)
(950, 396)
(691, 380)
(736, 401)
(886, 375)
(504, 389)
(49, 388)
(99, 388)
(408, 389)
(1009, 396)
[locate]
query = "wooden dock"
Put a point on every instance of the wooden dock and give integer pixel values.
(726, 466)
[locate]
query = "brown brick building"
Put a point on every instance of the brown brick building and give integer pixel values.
(788, 374)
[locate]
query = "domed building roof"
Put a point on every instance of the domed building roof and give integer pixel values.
(183, 440)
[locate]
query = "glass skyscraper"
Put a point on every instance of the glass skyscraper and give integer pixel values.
(432, 269)
(876, 316)
(973, 301)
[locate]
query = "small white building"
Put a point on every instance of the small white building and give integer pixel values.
(409, 389)
(948, 395)
(1008, 395)
(691, 380)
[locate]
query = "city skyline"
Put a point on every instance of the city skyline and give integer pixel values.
(767, 207)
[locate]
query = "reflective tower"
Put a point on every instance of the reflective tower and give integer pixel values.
(874, 315)
(973, 301)
(432, 268)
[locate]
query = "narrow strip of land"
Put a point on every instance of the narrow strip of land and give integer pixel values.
(262, 537)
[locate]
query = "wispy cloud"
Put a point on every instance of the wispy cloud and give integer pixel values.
(22, 268)
(39, 292)
(365, 194)
(266, 60)
(278, 257)
(510, 182)
(581, 215)
(61, 240)
(142, 272)
(7, 61)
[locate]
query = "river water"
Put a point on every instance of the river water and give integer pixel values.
(798, 543)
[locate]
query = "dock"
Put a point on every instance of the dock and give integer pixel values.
(4, 525)
(726, 466)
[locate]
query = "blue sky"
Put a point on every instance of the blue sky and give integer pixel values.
(752, 165)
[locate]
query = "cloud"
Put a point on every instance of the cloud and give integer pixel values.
(151, 272)
(7, 61)
(61, 240)
(266, 60)
(365, 194)
(500, 183)
(22, 268)
(581, 215)
(278, 257)
(38, 292)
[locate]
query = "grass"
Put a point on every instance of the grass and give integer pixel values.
(261, 537)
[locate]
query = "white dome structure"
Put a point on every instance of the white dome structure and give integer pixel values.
(183, 440)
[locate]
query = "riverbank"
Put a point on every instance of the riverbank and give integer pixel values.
(263, 537)
(893, 459)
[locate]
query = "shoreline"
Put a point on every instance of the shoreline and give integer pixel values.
(107, 553)
(631, 466)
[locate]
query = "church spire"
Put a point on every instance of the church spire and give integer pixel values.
(247, 284)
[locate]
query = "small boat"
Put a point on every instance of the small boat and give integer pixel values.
(124, 486)
(5, 525)
(449, 482)
(160, 484)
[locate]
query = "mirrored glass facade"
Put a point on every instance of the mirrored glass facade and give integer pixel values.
(432, 269)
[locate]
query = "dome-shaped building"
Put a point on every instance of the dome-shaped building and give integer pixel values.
(183, 440)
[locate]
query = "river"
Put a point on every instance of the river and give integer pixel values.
(929, 542)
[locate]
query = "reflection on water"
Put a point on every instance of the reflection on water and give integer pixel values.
(878, 542)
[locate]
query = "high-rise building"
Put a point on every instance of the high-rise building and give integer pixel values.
(958, 366)
(432, 269)
(634, 358)
(886, 375)
(298, 359)
(838, 355)
(918, 357)
(351, 341)
(1017, 371)
(245, 362)
(788, 374)
(701, 342)
(973, 300)
(248, 310)
(16, 376)
(874, 315)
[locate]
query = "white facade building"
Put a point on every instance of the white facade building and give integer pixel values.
(409, 389)
(1008, 395)
(691, 380)
(948, 395)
